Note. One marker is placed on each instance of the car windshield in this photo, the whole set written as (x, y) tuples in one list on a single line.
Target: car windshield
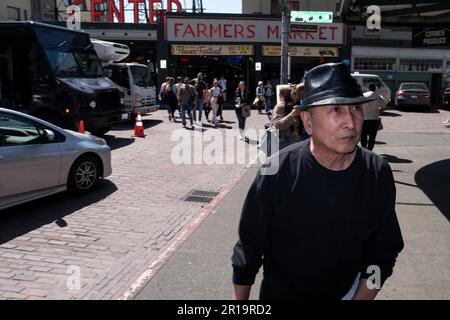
[(70, 54), (414, 86), (142, 76)]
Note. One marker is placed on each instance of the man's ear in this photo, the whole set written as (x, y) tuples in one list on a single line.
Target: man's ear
[(307, 121)]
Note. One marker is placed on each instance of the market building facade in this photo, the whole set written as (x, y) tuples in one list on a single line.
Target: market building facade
[(242, 47)]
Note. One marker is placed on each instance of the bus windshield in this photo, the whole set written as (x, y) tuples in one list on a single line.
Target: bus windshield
[(70, 54)]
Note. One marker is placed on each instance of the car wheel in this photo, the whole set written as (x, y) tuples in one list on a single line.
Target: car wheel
[(100, 132), (83, 175)]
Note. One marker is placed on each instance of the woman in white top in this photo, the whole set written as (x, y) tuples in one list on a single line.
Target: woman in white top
[(215, 93)]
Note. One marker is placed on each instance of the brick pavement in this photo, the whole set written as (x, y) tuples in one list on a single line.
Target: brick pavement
[(110, 236)]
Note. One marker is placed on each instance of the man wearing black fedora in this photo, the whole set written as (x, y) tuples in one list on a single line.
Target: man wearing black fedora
[(324, 226)]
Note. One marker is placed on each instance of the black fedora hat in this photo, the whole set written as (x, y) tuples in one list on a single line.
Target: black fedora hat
[(331, 84)]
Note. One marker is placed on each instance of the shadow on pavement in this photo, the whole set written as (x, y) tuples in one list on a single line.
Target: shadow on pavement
[(434, 181), (394, 159), (417, 109), (147, 123), (380, 142), (116, 142), (390, 114), (19, 220)]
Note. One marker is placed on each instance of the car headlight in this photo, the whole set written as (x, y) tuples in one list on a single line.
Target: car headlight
[(92, 104)]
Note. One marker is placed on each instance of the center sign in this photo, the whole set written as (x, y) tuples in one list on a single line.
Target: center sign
[(249, 31)]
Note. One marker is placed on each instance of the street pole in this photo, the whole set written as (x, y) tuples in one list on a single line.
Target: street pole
[(284, 41)]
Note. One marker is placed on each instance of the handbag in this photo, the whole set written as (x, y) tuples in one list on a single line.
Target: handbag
[(255, 102), (380, 125), (245, 110)]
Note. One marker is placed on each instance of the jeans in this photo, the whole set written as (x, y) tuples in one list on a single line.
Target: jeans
[(241, 121), (268, 103), (198, 107), (186, 108)]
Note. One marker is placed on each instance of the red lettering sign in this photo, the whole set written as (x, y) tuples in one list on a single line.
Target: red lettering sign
[(177, 28), (94, 12), (273, 32), (215, 29), (201, 30), (333, 30), (239, 31), (114, 11), (226, 31), (321, 35), (118, 12), (153, 4), (136, 9), (251, 31)]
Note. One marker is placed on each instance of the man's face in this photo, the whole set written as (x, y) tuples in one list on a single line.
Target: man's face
[(337, 129)]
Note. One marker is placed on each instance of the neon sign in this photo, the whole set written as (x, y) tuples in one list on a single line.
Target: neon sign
[(116, 9)]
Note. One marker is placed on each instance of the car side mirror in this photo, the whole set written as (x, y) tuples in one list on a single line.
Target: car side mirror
[(49, 135)]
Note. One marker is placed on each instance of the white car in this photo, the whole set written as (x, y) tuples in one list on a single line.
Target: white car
[(382, 89), (38, 159)]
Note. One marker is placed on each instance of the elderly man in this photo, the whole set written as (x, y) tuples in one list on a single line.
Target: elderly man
[(324, 226)]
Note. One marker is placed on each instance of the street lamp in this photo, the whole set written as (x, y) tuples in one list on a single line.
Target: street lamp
[(284, 40)]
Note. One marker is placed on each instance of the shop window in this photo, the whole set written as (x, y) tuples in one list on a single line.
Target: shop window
[(448, 66), (419, 65), (374, 64)]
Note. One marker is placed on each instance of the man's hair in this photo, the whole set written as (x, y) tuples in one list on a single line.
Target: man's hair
[(167, 79), (179, 79), (372, 86)]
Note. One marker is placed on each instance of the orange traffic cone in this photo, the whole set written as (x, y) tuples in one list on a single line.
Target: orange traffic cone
[(81, 127), (139, 127)]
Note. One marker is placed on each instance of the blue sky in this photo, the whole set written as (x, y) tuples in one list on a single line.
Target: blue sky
[(220, 6)]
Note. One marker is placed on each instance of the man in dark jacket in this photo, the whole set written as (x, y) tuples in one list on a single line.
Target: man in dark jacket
[(324, 226)]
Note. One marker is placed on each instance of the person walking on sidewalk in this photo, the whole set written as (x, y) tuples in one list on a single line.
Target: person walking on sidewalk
[(324, 225), (223, 85), (186, 94), (215, 94), (371, 118), (260, 96), (242, 97), (200, 87), (286, 118), (268, 93), (164, 97)]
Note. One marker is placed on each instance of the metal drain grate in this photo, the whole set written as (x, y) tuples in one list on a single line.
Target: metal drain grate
[(200, 196)]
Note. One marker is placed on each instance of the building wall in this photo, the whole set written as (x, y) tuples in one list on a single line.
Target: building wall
[(24, 7), (264, 6)]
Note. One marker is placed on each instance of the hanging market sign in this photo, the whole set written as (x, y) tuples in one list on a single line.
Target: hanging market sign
[(275, 51), (431, 37), (245, 30), (212, 50)]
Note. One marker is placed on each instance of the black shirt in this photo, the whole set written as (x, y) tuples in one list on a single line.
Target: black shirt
[(314, 229)]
